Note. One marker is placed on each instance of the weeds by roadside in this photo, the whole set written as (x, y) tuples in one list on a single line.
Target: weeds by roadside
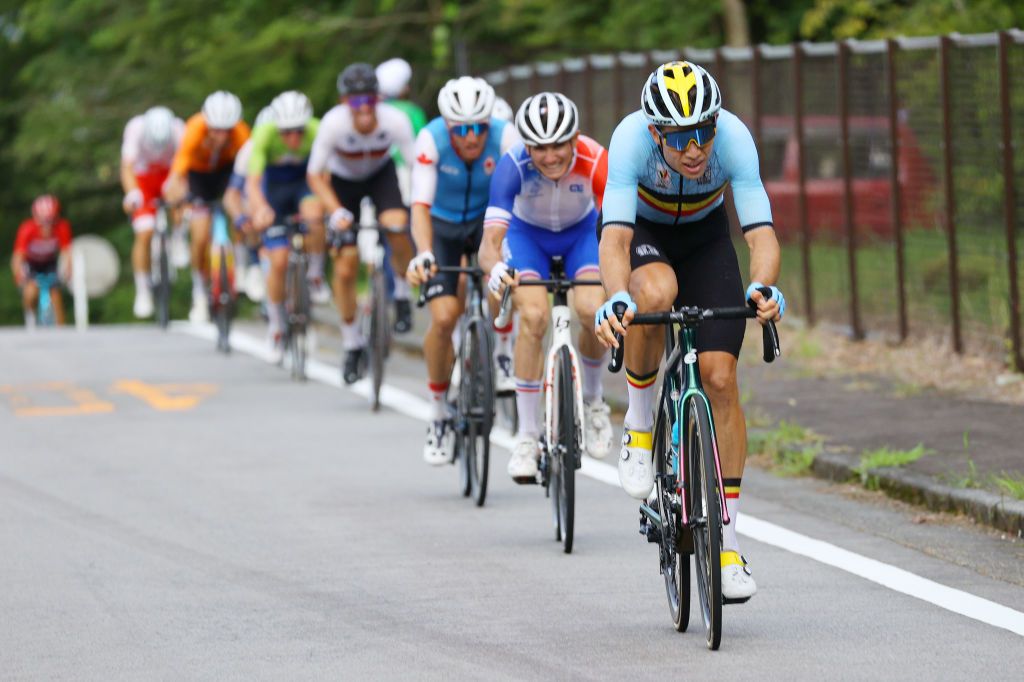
[(886, 457), (789, 449)]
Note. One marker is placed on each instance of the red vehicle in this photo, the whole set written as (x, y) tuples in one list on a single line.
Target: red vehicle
[(871, 162)]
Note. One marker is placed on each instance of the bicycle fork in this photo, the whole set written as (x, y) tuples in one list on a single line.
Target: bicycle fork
[(561, 335)]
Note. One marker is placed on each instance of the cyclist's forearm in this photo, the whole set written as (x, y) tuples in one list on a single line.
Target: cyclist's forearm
[(422, 228), (614, 258), (321, 187), (254, 189), (128, 182), (490, 247), (233, 203), (765, 255)]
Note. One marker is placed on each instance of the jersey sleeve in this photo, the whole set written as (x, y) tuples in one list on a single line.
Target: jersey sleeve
[(619, 199), (323, 142), (405, 139), (258, 145), (599, 179), (744, 171), (424, 170), (130, 141), (509, 137), (239, 136), (63, 234), (23, 237), (505, 186), (195, 129)]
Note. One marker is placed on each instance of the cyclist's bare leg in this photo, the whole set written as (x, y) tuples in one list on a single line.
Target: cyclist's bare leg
[(312, 212), (346, 269), (534, 310), (437, 342), (278, 259), (141, 258), (718, 374), (30, 296), (653, 287), (199, 229), (58, 306), (586, 301), (395, 221)]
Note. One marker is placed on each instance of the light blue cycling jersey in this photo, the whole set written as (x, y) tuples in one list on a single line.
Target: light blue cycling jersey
[(456, 191), (640, 183)]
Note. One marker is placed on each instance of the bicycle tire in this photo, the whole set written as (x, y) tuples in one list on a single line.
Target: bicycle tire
[(163, 286), (674, 563), (378, 335), (479, 392), (465, 440), (297, 310), (706, 516), (224, 304), (567, 448)]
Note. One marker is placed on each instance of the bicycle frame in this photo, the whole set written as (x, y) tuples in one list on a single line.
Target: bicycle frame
[(561, 336), (45, 314)]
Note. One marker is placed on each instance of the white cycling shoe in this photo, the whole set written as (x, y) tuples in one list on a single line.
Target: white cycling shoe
[(737, 583), (200, 312), (275, 346), (143, 306), (440, 446), (504, 381), (598, 428), (319, 292), (253, 285), (636, 464), (522, 466)]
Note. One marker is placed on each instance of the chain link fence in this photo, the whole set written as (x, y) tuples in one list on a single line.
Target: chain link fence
[(895, 171)]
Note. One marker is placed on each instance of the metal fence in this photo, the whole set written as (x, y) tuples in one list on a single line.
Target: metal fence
[(893, 168)]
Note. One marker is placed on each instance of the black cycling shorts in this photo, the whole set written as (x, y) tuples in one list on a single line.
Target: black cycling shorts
[(208, 187), (451, 242), (707, 271), (381, 187)]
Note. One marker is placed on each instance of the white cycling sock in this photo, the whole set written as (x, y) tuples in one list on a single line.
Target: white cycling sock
[(438, 392), (141, 281), (730, 543), (503, 338), (593, 370), (351, 336), (198, 286), (316, 266), (402, 289), (528, 404), (640, 388), (275, 317)]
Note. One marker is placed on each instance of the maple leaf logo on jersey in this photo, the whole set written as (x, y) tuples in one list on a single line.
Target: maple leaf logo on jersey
[(489, 165), (424, 159)]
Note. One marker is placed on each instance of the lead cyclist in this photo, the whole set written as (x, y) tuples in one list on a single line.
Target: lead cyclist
[(665, 241)]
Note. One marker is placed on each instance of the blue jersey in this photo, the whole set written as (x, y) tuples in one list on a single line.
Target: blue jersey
[(640, 183), (456, 191)]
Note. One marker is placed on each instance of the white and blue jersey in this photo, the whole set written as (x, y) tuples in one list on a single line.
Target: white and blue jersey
[(547, 218), (456, 191), (641, 184)]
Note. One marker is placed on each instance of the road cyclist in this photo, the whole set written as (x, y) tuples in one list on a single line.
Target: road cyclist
[(665, 242), (41, 260), (544, 202), (456, 156)]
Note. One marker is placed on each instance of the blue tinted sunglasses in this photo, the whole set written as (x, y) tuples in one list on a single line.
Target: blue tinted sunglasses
[(680, 140), (463, 129)]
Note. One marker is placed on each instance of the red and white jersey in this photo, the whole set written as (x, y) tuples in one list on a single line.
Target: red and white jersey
[(349, 154), (143, 159), (38, 248)]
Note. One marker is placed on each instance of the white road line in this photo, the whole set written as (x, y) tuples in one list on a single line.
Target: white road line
[(887, 575)]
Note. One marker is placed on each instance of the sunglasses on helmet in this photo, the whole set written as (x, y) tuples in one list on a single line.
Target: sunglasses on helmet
[(680, 139), (357, 101), (462, 129)]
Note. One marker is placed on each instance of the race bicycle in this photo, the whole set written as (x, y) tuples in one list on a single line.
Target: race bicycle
[(689, 510), (298, 312), (222, 276), (562, 443), (474, 401), (45, 312), (162, 274)]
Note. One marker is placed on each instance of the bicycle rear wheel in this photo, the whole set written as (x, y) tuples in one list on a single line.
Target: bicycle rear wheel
[(297, 298), (379, 334), (163, 285), (705, 517), (674, 562), (566, 451), (477, 409)]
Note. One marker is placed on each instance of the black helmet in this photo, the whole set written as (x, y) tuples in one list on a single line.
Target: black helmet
[(357, 79)]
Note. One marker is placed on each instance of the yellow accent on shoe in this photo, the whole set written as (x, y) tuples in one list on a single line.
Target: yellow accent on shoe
[(638, 439), (730, 558)]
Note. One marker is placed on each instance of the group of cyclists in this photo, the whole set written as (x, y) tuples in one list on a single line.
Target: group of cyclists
[(646, 217)]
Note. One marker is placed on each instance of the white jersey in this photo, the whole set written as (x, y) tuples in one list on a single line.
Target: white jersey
[(350, 155), (241, 167), (143, 159)]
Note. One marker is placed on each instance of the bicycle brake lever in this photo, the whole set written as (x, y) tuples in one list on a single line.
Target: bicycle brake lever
[(617, 353), (769, 333)]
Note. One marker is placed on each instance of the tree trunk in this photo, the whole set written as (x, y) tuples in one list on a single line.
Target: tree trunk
[(737, 27)]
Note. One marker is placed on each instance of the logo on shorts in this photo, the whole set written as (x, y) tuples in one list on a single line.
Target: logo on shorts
[(647, 250), (435, 290), (576, 187), (489, 165)]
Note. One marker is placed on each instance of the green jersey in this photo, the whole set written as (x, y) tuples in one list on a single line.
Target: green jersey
[(270, 152)]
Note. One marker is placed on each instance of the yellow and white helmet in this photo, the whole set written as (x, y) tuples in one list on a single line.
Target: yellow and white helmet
[(680, 93)]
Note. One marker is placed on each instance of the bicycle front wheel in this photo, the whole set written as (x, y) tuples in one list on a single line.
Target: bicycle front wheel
[(567, 450), (705, 517), (223, 302), (379, 330), (477, 408), (163, 285), (675, 563), (297, 298)]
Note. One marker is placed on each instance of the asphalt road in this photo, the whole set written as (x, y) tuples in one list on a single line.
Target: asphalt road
[(169, 513)]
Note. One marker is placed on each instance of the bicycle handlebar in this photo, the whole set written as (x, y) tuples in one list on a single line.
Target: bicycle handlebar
[(691, 316), (473, 271)]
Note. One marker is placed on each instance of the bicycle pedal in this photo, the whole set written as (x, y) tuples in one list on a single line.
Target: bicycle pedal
[(649, 530)]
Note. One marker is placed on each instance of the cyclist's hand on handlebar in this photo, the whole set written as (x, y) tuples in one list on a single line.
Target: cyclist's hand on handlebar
[(132, 201), (340, 219), (607, 323), (263, 217), (772, 307), (501, 277), (422, 267)]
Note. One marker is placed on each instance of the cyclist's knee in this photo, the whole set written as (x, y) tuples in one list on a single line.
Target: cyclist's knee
[(653, 293), (533, 320), (719, 381), (346, 266)]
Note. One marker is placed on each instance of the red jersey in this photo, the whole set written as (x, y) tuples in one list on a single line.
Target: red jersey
[(40, 250)]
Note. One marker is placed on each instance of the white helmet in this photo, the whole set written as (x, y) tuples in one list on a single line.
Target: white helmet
[(266, 115), (680, 93), (393, 77), (547, 118), (466, 100), (502, 110), (157, 128), (291, 109), (222, 110)]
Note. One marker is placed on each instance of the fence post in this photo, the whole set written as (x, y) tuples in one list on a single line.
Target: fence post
[(617, 95), (851, 236), (1009, 197), (560, 80), (755, 87), (588, 96), (945, 42), (897, 197), (801, 170)]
